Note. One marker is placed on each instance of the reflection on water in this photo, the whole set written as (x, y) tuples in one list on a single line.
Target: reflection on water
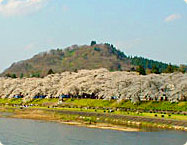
[(30, 132)]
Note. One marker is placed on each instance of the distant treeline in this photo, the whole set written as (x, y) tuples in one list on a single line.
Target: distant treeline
[(146, 66)]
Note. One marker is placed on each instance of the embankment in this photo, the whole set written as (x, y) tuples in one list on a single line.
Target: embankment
[(94, 119)]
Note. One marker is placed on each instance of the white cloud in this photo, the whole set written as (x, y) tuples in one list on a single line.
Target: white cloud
[(185, 1), (172, 17), (20, 7)]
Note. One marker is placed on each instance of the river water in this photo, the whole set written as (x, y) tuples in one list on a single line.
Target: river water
[(31, 132)]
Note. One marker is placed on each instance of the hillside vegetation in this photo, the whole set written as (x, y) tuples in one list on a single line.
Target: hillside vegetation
[(76, 57)]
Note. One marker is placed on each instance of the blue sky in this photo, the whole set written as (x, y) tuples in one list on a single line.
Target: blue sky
[(156, 29)]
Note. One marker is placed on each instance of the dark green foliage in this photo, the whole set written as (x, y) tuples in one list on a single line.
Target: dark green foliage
[(141, 70), (155, 69), (21, 75), (113, 50), (93, 43), (13, 76), (76, 71), (147, 63), (97, 49), (119, 67), (169, 69), (50, 72), (35, 75)]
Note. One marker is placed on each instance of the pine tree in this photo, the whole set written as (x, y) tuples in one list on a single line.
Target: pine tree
[(50, 72), (21, 75)]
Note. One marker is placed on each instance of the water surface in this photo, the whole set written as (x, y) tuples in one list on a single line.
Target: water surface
[(31, 132)]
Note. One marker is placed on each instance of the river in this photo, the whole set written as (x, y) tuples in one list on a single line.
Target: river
[(32, 132)]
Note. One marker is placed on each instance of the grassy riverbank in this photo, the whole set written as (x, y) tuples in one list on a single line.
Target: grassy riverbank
[(104, 104), (92, 112), (95, 119), (70, 119)]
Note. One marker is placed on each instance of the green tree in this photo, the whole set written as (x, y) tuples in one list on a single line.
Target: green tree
[(21, 75), (141, 70), (93, 43), (169, 69), (155, 69), (50, 72), (182, 68), (35, 75), (76, 70), (13, 76)]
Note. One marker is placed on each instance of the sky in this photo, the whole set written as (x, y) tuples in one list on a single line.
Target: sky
[(155, 29)]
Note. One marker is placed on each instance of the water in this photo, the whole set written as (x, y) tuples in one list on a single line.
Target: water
[(30, 132)]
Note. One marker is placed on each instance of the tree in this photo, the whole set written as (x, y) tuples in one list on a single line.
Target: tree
[(119, 67), (13, 76), (93, 43), (155, 69), (8, 75), (21, 75), (76, 70), (50, 72), (169, 69), (35, 75), (182, 68), (141, 70)]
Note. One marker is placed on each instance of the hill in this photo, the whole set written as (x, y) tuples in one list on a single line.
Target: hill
[(76, 57)]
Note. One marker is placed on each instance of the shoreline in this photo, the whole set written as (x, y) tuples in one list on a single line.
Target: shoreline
[(83, 121), (75, 123)]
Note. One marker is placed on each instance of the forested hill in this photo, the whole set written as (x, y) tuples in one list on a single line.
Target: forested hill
[(76, 57), (148, 63)]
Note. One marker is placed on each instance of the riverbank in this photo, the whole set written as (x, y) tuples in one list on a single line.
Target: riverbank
[(65, 119), (96, 120)]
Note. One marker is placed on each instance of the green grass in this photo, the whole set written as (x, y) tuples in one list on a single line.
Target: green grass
[(11, 101), (151, 105), (90, 103), (42, 102)]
